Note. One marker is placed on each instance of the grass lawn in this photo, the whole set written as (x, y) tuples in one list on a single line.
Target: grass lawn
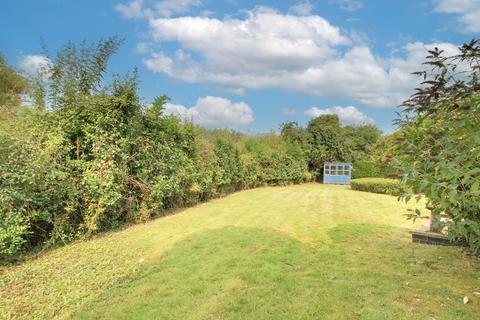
[(299, 252)]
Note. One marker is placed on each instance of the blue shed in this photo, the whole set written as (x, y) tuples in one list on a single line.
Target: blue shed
[(337, 173)]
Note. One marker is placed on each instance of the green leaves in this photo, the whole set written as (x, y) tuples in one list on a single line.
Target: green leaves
[(78, 71), (379, 185), (474, 189), (12, 87), (442, 141), (32, 189), (452, 195), (325, 139)]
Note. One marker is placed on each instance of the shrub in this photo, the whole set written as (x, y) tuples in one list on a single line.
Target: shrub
[(229, 176), (373, 169), (33, 189), (367, 169), (378, 185), (441, 139)]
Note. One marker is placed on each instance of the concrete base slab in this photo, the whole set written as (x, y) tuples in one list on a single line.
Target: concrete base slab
[(432, 238)]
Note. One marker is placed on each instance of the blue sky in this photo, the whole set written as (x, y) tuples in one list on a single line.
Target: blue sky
[(252, 65)]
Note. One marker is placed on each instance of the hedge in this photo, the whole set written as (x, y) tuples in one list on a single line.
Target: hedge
[(373, 169), (367, 169), (378, 185)]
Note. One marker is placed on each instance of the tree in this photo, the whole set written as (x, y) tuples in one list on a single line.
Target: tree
[(361, 139), (292, 132), (12, 87), (78, 71), (326, 142), (441, 140)]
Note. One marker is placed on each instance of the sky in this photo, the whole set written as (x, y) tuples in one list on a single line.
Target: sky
[(252, 65)]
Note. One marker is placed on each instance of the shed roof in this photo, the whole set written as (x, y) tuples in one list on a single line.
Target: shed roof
[(337, 163)]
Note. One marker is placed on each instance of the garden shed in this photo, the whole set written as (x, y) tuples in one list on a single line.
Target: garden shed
[(337, 173)]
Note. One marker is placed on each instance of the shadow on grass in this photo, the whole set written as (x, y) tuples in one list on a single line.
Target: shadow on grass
[(368, 272)]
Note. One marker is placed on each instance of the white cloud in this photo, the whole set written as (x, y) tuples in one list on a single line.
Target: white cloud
[(180, 66), (34, 65), (349, 5), (288, 112), (142, 48), (133, 10), (267, 49), (163, 8), (303, 8), (347, 115), (468, 12), (166, 8), (214, 112)]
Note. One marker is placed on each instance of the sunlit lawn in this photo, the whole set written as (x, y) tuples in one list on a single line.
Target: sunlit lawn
[(299, 252)]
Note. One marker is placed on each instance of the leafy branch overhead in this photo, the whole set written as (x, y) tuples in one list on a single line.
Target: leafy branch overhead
[(448, 78)]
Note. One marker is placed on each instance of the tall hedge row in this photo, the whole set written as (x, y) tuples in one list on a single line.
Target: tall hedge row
[(118, 164), (88, 156)]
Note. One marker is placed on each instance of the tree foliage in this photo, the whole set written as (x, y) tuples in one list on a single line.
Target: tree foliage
[(325, 140), (441, 140), (12, 87)]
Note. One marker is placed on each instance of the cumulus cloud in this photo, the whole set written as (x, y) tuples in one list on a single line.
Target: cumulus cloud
[(267, 49), (347, 115), (33, 65), (165, 8), (467, 11), (303, 8), (214, 112), (349, 5)]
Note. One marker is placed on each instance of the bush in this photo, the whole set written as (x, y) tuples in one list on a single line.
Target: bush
[(373, 169), (32, 193), (441, 141), (378, 185), (367, 169)]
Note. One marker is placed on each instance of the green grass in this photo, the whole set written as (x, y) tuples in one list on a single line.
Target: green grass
[(299, 252)]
